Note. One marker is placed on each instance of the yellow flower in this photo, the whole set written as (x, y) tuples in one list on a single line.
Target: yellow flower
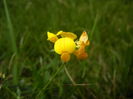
[(65, 45)]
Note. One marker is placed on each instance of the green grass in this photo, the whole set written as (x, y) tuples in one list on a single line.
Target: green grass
[(28, 63)]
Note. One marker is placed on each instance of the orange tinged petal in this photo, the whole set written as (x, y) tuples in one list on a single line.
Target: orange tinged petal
[(65, 57), (80, 53), (84, 38), (81, 44)]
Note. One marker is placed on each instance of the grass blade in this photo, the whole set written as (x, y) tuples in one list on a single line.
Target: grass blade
[(10, 27), (12, 40)]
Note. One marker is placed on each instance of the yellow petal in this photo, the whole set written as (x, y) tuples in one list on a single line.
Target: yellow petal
[(52, 37), (65, 56), (67, 34), (60, 32), (64, 45)]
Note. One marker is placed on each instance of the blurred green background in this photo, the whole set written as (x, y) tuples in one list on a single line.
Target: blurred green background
[(28, 63)]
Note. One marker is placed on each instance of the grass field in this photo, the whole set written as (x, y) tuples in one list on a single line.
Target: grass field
[(28, 64)]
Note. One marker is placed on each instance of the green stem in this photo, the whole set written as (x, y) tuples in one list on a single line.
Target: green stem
[(51, 79), (69, 76)]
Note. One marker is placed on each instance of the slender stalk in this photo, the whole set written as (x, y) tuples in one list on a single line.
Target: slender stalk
[(68, 74), (50, 80), (72, 80)]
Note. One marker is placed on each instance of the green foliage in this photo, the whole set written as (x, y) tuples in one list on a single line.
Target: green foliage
[(28, 63)]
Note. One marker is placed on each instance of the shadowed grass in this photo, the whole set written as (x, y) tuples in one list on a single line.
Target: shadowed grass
[(50, 80)]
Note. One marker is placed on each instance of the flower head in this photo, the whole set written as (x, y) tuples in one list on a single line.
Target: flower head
[(65, 45)]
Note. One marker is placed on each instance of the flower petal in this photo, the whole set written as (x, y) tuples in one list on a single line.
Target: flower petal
[(52, 37), (65, 57), (84, 38), (67, 34), (81, 53), (58, 33), (64, 45)]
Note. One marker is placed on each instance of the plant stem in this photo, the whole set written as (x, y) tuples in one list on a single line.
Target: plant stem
[(72, 80), (68, 74)]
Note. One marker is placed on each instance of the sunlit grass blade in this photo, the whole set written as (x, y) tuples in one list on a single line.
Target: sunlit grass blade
[(94, 25), (10, 27), (12, 40)]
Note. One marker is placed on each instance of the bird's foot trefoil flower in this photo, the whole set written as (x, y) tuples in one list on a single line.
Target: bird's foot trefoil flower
[(65, 45)]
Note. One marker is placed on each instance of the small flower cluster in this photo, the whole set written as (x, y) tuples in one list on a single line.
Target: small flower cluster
[(65, 44)]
